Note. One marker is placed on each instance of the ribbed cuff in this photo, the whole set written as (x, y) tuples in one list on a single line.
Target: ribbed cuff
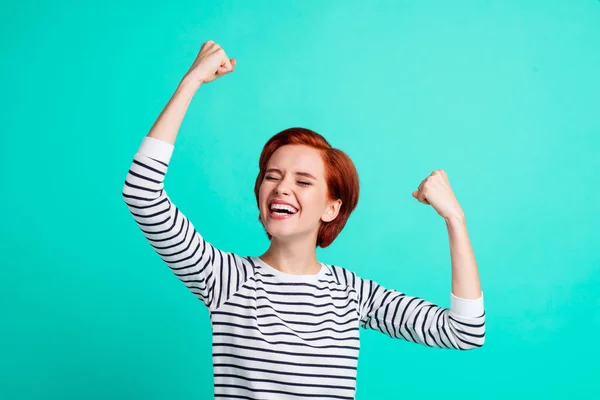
[(157, 149), (466, 307)]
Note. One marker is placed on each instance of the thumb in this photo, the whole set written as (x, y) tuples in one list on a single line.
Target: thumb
[(227, 67), (415, 194)]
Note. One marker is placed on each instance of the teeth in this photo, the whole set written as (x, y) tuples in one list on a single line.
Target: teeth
[(283, 207)]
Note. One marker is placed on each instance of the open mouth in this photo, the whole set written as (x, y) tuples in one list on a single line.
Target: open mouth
[(282, 210)]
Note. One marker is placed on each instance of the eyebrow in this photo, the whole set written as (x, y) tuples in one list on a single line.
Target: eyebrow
[(306, 174)]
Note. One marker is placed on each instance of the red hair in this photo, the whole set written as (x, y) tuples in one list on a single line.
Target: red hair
[(340, 175)]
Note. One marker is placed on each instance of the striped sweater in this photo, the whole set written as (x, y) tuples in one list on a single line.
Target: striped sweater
[(277, 335)]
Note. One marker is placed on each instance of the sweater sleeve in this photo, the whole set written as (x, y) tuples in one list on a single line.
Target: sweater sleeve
[(210, 274), (460, 327)]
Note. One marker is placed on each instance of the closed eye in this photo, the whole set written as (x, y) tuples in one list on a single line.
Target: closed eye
[(303, 183)]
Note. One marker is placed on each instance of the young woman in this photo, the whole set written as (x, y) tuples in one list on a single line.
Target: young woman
[(284, 324)]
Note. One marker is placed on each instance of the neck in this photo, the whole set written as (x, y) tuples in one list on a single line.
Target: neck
[(298, 257)]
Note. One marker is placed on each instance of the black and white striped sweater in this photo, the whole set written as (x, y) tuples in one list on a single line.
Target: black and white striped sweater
[(277, 335)]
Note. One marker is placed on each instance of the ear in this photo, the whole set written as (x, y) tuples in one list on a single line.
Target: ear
[(332, 211)]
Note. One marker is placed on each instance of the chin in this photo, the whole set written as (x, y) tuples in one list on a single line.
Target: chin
[(281, 233)]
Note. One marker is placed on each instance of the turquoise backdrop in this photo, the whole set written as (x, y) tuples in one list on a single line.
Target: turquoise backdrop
[(503, 95)]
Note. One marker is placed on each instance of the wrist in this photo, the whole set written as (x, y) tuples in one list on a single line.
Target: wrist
[(456, 218), (191, 81)]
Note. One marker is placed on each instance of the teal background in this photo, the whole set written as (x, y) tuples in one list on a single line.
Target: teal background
[(503, 95)]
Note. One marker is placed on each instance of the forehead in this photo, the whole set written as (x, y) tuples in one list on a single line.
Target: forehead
[(297, 157)]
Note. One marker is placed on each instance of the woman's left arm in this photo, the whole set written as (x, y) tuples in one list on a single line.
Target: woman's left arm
[(465, 275), (435, 190), (462, 326)]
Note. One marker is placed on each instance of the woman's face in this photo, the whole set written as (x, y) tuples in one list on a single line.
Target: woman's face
[(295, 175)]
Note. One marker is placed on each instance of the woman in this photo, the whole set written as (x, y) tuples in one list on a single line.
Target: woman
[(284, 324)]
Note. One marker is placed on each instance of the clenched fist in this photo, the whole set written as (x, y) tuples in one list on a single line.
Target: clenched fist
[(435, 190), (210, 64)]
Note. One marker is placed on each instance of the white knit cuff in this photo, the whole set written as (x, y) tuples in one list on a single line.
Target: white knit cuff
[(466, 307), (157, 149)]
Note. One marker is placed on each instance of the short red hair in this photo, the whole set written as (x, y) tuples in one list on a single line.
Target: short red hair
[(340, 174)]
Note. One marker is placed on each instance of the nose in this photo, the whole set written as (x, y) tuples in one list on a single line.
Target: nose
[(282, 190), (282, 187)]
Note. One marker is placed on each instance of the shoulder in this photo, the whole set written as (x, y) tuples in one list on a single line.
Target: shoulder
[(247, 263), (365, 288), (343, 276), (224, 262)]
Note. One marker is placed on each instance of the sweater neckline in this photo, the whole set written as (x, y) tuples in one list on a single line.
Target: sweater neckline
[(290, 277)]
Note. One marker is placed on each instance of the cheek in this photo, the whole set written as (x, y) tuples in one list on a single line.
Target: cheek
[(263, 194), (311, 203)]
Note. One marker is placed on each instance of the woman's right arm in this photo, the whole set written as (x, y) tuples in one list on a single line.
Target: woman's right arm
[(210, 64), (167, 124), (209, 273)]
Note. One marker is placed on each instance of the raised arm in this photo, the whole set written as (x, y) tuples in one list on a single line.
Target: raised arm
[(210, 64), (462, 326), (209, 273)]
